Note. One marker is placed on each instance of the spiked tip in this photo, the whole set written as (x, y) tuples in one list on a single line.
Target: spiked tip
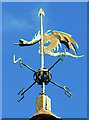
[(41, 12)]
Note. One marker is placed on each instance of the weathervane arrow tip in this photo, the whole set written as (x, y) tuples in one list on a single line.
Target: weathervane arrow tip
[(41, 12)]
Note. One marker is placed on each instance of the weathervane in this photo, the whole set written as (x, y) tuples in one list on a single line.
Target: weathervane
[(43, 76)]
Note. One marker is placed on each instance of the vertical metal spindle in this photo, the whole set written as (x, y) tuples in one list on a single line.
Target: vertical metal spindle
[(42, 53), (41, 14)]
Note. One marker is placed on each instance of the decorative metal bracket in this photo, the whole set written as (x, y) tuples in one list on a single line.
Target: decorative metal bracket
[(40, 76)]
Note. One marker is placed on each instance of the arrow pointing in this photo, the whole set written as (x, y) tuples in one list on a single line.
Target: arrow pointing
[(41, 12)]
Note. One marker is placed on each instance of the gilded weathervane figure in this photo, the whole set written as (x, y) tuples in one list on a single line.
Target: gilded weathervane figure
[(56, 38)]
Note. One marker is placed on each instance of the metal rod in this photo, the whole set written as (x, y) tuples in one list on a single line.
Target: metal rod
[(28, 67), (28, 88), (67, 90), (43, 88), (41, 12), (42, 54), (20, 99), (54, 64), (56, 84)]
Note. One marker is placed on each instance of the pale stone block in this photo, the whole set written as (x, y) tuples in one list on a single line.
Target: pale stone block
[(43, 102)]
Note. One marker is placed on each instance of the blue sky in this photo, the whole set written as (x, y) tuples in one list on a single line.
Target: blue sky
[(20, 20)]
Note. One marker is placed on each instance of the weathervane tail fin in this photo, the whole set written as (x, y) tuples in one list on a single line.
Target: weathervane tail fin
[(64, 54), (66, 39), (56, 39)]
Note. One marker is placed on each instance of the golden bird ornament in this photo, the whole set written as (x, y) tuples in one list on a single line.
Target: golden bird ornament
[(56, 38)]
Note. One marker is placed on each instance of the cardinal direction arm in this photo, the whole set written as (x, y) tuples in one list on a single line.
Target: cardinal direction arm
[(21, 94), (28, 88), (58, 60), (28, 67), (35, 40), (54, 64), (24, 91), (56, 84), (15, 61), (67, 90)]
